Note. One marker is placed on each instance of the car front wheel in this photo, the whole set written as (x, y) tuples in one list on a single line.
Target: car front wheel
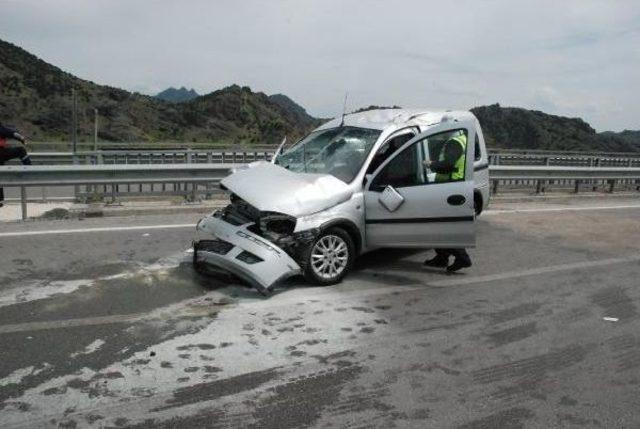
[(330, 257)]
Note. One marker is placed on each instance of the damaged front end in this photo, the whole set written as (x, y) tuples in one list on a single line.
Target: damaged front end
[(258, 246)]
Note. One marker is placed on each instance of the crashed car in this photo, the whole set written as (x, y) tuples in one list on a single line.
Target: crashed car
[(354, 184)]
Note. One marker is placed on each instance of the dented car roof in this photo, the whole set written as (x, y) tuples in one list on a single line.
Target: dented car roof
[(381, 119)]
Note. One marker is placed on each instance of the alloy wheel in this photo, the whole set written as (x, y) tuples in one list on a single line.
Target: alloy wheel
[(329, 257)]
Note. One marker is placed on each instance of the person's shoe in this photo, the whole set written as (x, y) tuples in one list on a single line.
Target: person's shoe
[(458, 264), (438, 261)]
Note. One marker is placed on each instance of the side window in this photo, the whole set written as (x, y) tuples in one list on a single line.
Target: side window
[(388, 149), (478, 153), (435, 159)]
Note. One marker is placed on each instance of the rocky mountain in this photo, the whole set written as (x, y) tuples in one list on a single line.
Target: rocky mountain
[(175, 95), (512, 127), (291, 106), (36, 98)]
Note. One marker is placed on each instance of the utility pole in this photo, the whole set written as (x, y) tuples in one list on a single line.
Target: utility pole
[(74, 130), (95, 130)]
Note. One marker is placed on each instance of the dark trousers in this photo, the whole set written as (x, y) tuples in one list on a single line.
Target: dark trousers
[(457, 253), (8, 153)]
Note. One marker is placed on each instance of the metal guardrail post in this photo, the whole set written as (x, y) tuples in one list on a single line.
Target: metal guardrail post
[(494, 187), (194, 192), (23, 202), (114, 191), (76, 188)]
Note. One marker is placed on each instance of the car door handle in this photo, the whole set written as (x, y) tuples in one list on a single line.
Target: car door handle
[(456, 200)]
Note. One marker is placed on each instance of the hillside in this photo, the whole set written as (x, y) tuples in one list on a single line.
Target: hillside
[(517, 128), (36, 98), (175, 95)]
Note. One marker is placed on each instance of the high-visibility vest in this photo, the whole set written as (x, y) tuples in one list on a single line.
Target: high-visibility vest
[(458, 170)]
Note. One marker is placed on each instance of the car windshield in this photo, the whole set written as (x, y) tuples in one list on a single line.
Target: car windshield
[(336, 151)]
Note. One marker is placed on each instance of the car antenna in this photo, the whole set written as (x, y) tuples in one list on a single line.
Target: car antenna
[(344, 108)]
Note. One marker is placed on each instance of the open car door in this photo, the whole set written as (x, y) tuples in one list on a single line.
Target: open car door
[(406, 206)]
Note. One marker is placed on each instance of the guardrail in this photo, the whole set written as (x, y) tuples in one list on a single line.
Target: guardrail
[(212, 156), (544, 152), (563, 160), (101, 180), (543, 177), (191, 180), (148, 157)]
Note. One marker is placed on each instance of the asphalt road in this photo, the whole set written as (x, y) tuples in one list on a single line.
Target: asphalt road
[(112, 328)]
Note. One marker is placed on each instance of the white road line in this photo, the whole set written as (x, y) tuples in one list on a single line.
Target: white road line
[(101, 229), (316, 294), (533, 271), (193, 225), (560, 209)]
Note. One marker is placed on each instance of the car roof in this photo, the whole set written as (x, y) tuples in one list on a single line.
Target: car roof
[(381, 119)]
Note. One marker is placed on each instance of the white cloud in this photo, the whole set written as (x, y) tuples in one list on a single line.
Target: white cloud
[(574, 57)]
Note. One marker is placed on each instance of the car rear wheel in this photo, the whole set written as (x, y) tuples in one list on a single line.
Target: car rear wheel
[(330, 257)]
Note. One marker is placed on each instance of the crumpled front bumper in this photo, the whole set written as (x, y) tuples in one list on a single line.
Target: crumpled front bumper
[(274, 265)]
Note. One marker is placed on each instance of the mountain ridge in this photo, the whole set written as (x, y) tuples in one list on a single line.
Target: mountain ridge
[(177, 95), (35, 97)]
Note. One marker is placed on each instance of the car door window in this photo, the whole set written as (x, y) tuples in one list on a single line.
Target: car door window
[(410, 167), (388, 149)]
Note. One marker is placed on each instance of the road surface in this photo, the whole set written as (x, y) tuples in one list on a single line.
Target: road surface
[(103, 323)]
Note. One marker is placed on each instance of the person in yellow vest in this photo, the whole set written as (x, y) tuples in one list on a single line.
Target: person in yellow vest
[(449, 168)]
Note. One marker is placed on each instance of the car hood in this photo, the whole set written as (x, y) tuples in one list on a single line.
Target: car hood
[(269, 187)]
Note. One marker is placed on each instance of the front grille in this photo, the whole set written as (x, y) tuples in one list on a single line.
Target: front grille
[(220, 247), (249, 258)]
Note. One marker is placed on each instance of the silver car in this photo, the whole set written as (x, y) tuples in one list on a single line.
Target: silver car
[(354, 184)]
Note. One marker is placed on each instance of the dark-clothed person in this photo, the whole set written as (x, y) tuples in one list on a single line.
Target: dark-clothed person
[(450, 167), (11, 152)]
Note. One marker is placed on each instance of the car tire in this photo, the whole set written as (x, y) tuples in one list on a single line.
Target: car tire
[(330, 257)]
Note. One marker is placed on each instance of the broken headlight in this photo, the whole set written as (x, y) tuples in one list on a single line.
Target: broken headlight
[(277, 224)]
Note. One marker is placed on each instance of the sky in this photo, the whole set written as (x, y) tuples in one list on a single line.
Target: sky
[(578, 58)]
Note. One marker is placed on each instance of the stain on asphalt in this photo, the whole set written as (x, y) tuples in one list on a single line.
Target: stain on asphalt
[(513, 313), (567, 401), (565, 419), (300, 403), (363, 309), (536, 366), (219, 388), (626, 349), (511, 335), (513, 418), (615, 302)]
